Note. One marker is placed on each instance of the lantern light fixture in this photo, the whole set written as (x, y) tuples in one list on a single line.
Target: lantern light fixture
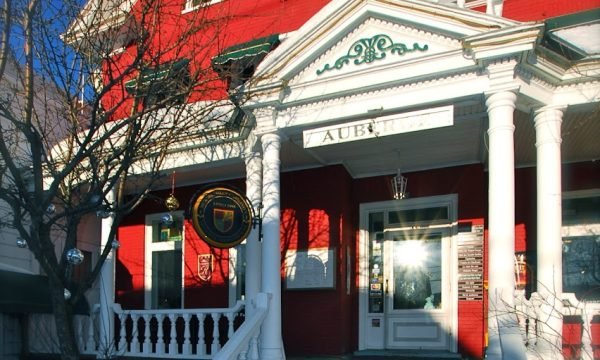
[(399, 183)]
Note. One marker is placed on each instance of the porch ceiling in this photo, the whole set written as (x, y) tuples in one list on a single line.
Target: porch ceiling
[(465, 142)]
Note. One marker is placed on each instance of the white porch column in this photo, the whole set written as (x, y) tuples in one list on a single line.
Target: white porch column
[(253, 245), (271, 345), (549, 223), (107, 289), (505, 340)]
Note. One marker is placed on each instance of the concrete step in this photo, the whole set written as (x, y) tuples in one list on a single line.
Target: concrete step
[(405, 355), (386, 355)]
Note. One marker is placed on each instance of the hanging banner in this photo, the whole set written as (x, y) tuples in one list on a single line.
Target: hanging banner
[(221, 216)]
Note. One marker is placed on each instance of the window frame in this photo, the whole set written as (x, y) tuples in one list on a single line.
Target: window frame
[(189, 5), (573, 230), (150, 247)]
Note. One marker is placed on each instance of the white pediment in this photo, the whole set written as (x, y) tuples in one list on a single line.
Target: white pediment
[(348, 38), (377, 43)]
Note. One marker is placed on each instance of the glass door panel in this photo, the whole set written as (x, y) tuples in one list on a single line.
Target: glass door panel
[(417, 272)]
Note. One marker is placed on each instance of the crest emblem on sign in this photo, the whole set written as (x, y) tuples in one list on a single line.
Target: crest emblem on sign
[(221, 216), (205, 267), (223, 219)]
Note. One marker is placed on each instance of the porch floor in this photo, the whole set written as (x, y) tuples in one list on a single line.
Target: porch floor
[(386, 355)]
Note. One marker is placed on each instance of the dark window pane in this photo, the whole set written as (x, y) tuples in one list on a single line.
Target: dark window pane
[(581, 266), (418, 215), (166, 279)]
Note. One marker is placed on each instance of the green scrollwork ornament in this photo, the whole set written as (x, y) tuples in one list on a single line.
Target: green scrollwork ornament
[(366, 51)]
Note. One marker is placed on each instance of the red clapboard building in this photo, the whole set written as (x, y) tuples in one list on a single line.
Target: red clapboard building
[(424, 173)]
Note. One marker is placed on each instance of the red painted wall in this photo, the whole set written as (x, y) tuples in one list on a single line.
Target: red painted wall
[(316, 213), (129, 275), (214, 29), (542, 9)]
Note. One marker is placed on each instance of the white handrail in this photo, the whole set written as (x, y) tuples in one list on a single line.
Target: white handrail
[(176, 333), (245, 340)]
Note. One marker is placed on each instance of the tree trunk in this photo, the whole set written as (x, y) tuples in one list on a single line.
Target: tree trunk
[(63, 319)]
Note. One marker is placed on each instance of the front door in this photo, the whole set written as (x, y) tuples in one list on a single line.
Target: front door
[(417, 288), (407, 273)]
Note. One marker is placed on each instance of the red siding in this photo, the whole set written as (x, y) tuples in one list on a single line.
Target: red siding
[(129, 267), (129, 281), (542, 9), (315, 214)]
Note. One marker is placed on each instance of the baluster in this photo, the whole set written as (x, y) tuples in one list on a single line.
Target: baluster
[(521, 314), (215, 344), (135, 340), (79, 333), (160, 337), (587, 351), (147, 347), (172, 333), (230, 318), (201, 343), (187, 341), (90, 342), (253, 347), (122, 333)]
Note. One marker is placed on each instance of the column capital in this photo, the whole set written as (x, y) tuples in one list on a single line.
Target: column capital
[(549, 109), (501, 98), (548, 122)]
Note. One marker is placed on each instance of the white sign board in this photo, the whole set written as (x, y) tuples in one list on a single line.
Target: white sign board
[(310, 269), (380, 126)]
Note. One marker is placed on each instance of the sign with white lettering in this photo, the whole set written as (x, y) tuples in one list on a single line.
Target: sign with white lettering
[(380, 126)]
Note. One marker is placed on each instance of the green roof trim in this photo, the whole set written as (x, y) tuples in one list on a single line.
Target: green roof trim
[(27, 293), (554, 26), (580, 18), (248, 49), (159, 73)]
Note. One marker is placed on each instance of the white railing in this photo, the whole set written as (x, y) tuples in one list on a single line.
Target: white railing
[(43, 339), (528, 313), (176, 333), (244, 343)]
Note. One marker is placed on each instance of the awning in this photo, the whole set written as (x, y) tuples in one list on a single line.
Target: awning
[(248, 49), (26, 293), (157, 74)]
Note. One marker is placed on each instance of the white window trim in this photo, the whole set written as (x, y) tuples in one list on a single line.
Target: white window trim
[(150, 247), (190, 8)]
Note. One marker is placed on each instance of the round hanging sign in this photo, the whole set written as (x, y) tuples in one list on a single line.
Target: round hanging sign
[(222, 217)]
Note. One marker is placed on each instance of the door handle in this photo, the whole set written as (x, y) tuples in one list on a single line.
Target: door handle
[(386, 286)]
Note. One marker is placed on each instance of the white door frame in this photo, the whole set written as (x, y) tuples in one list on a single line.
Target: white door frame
[(371, 337)]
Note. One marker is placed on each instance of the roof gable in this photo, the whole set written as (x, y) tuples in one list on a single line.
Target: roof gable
[(346, 36)]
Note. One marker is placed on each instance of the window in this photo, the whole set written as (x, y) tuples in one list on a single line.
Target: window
[(236, 64), (164, 261), (581, 244), (163, 85)]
